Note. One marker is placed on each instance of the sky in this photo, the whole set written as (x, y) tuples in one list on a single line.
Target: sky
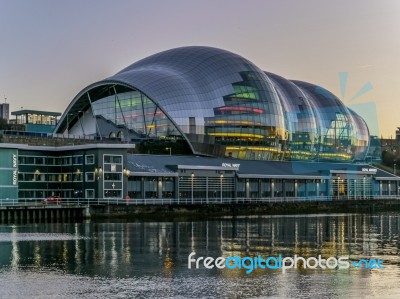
[(52, 49)]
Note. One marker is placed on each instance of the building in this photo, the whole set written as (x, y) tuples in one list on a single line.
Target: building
[(108, 172), (5, 111), (251, 134), (222, 105), (81, 171), (36, 121)]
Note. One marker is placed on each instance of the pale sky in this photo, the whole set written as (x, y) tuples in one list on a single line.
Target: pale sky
[(50, 50)]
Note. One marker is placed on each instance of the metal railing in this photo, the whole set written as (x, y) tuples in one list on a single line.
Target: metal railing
[(68, 202)]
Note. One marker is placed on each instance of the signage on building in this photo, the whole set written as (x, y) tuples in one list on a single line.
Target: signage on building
[(373, 170), (15, 172), (231, 165)]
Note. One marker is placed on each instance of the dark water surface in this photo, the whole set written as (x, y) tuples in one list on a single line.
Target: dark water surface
[(150, 259)]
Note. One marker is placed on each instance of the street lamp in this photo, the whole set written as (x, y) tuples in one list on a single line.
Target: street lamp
[(192, 175), (98, 172), (37, 174), (364, 186), (68, 114), (221, 177), (80, 121), (127, 172), (355, 189), (170, 150), (338, 186)]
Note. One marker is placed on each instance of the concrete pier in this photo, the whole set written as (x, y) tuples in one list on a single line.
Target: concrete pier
[(35, 214)]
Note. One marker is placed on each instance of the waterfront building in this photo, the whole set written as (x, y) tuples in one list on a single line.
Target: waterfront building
[(196, 124), (36, 121), (220, 104), (5, 111)]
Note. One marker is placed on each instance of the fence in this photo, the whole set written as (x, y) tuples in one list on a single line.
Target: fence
[(185, 201)]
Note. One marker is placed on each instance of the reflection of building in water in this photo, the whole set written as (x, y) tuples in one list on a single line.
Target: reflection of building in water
[(121, 249)]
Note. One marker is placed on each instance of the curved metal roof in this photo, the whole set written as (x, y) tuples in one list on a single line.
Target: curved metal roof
[(224, 94)]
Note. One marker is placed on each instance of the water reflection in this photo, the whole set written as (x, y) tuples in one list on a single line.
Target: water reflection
[(128, 258)]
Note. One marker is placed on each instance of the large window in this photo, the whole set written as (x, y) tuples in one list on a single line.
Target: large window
[(137, 112), (89, 159)]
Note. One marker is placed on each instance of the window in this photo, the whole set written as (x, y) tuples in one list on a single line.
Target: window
[(112, 193), (89, 176), (29, 160), (66, 160), (89, 159), (112, 159), (89, 193), (112, 176), (39, 161), (77, 160)]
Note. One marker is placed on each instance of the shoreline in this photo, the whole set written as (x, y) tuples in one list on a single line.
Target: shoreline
[(198, 212)]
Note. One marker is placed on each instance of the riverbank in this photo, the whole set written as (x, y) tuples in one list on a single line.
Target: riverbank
[(161, 212)]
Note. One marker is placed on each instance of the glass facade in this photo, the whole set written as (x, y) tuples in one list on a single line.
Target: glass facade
[(222, 105), (136, 112)]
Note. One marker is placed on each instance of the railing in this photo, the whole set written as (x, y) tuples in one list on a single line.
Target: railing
[(67, 202)]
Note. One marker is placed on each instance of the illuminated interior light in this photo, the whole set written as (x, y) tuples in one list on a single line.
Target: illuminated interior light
[(236, 122), (237, 135), (237, 108)]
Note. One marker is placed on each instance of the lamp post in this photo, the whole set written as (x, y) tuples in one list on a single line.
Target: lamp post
[(80, 179), (37, 173), (338, 186), (355, 189), (127, 172), (364, 187), (68, 114), (221, 178), (98, 172), (192, 175), (170, 150), (80, 121)]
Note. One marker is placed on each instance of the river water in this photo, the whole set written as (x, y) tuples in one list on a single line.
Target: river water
[(150, 259)]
